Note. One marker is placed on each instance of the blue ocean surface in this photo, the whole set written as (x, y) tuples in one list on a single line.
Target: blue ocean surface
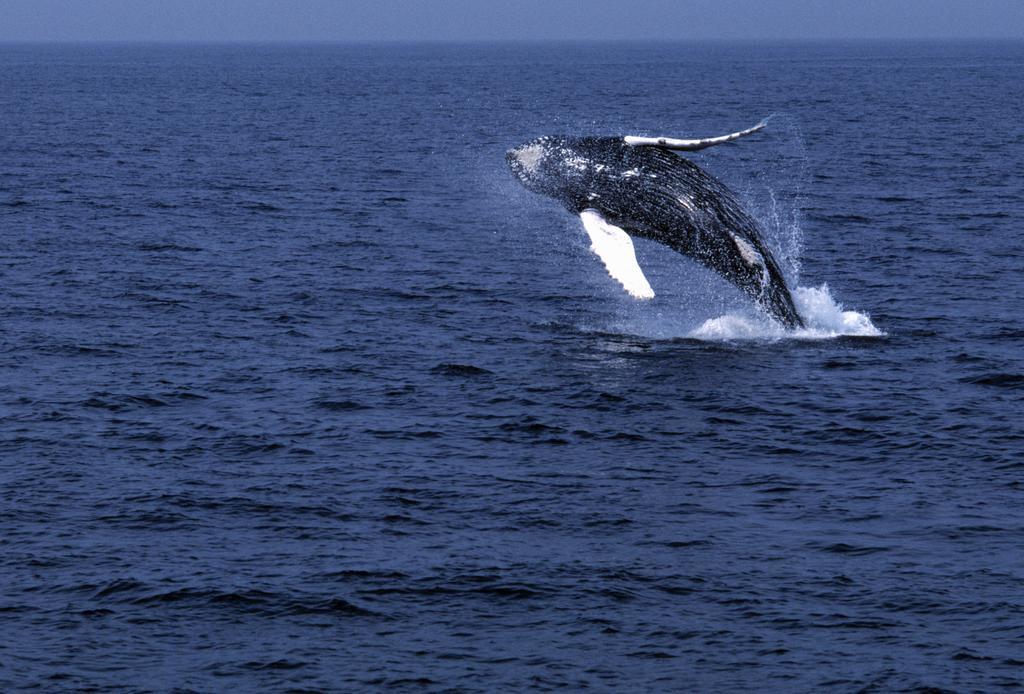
[(300, 390)]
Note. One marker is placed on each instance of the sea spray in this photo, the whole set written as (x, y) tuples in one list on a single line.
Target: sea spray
[(824, 317)]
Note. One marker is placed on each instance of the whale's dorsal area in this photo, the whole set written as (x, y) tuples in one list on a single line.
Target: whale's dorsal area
[(615, 249)]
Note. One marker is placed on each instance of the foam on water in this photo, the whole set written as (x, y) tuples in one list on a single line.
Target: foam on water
[(824, 316)]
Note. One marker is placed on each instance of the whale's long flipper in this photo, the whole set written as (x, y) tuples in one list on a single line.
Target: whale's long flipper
[(689, 145), (615, 249)]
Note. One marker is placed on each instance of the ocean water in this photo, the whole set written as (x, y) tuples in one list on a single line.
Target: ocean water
[(299, 390)]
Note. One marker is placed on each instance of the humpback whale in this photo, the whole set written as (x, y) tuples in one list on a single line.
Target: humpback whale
[(636, 186)]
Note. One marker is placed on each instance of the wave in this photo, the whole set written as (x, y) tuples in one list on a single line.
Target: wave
[(825, 318)]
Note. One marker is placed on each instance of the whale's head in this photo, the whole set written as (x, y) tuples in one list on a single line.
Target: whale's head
[(560, 167), (535, 164)]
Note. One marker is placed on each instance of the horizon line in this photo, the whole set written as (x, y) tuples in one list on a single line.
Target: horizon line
[(618, 40)]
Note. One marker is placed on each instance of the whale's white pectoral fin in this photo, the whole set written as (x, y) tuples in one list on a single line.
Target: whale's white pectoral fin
[(689, 145), (615, 249)]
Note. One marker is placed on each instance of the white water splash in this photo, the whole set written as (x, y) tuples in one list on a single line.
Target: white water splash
[(823, 315)]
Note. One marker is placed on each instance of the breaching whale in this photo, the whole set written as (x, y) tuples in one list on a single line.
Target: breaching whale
[(622, 186)]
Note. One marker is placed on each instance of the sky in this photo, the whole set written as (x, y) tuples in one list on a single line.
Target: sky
[(497, 20)]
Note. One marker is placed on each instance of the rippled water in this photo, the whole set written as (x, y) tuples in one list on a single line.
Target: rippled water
[(299, 389)]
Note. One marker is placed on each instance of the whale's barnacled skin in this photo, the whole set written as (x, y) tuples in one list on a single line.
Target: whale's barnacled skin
[(656, 194)]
